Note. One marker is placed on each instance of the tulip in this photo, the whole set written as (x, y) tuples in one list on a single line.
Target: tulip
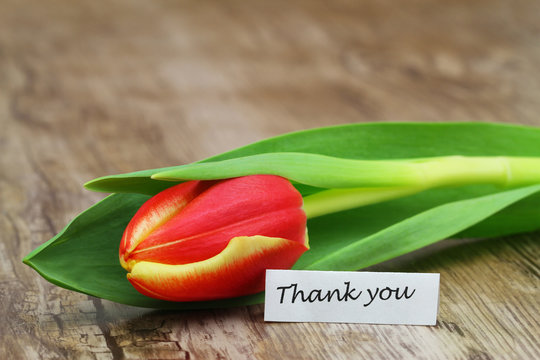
[(205, 240)]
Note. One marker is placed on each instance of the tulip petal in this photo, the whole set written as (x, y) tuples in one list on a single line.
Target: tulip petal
[(238, 270), (157, 211)]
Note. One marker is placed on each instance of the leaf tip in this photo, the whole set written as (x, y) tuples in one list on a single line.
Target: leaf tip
[(27, 260), (164, 175), (92, 185)]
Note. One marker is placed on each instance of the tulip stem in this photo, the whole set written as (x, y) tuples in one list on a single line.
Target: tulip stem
[(429, 173), (335, 200)]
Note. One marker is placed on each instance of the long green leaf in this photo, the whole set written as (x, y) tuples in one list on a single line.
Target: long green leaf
[(310, 169), (84, 257), (420, 230), (333, 232), (370, 141)]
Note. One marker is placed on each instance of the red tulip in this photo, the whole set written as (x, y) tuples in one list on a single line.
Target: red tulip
[(203, 240)]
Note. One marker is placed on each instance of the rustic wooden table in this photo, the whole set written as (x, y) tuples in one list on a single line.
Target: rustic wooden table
[(91, 88)]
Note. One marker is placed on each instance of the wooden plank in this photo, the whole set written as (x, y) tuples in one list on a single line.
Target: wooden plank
[(88, 89)]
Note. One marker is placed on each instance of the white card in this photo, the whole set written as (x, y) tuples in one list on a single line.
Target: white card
[(351, 297)]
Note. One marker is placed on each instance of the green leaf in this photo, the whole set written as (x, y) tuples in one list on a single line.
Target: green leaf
[(369, 141), (310, 169), (84, 257), (417, 231), (333, 232)]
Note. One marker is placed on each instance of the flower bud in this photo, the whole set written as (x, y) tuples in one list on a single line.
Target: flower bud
[(204, 240)]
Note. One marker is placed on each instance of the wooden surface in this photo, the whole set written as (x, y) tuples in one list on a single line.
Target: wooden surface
[(90, 88)]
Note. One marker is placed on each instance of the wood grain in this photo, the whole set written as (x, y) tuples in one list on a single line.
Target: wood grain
[(93, 88)]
